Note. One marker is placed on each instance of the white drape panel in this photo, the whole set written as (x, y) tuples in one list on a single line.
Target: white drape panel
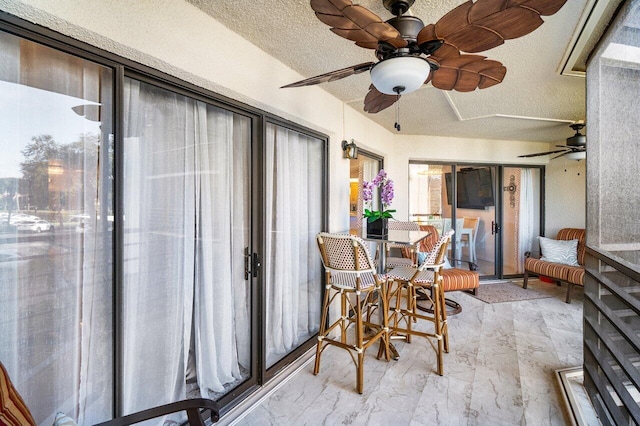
[(526, 218), (222, 236), (293, 189), (186, 225), (159, 223)]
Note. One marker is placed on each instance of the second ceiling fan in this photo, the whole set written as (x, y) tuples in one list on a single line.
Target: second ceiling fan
[(411, 54), (575, 149)]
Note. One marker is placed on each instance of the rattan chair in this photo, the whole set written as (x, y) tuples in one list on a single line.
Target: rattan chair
[(352, 278), (408, 253), (403, 298)]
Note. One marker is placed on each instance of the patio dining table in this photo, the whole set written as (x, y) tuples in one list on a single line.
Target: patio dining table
[(396, 237)]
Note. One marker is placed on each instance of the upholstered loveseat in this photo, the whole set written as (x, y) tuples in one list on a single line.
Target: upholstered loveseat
[(560, 272)]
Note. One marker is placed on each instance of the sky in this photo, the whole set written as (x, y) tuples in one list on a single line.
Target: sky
[(26, 112)]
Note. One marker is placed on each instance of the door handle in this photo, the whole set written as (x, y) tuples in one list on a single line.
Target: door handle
[(252, 264), (495, 228)]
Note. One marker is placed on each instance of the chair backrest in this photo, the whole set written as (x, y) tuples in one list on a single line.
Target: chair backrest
[(574, 234), (472, 223), (427, 244), (447, 226), (347, 260), (403, 226), (13, 410), (437, 253)]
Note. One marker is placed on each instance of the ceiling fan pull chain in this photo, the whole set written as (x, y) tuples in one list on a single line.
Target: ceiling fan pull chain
[(398, 90)]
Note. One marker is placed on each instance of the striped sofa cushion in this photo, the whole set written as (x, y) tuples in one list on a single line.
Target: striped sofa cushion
[(548, 269), (575, 274), (459, 279), (13, 410)]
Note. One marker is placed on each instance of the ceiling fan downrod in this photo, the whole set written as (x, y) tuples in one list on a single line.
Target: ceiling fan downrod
[(397, 7)]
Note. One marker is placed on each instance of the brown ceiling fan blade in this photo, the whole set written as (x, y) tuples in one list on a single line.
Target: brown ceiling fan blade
[(428, 33), (543, 7), (356, 23), (375, 101), (467, 73), (485, 24), (543, 153), (332, 76)]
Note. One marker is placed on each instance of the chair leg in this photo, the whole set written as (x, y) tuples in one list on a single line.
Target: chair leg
[(525, 281), (444, 328), (359, 345), (384, 302), (411, 304), (569, 288), (437, 315), (323, 327)]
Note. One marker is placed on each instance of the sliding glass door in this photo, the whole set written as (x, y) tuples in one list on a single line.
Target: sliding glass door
[(520, 216), (495, 210), (292, 266), (56, 230), (186, 304), (173, 258)]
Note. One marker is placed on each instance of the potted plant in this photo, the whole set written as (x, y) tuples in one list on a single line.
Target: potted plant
[(377, 219)]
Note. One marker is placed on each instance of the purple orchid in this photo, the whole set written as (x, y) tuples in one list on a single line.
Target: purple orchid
[(386, 196)]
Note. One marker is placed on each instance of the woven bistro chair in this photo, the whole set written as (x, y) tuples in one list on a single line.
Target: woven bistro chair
[(408, 253), (351, 277), (403, 296)]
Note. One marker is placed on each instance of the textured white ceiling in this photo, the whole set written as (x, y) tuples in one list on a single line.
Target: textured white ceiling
[(533, 103)]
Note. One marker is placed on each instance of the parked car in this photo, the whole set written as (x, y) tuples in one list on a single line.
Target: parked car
[(18, 218), (34, 226)]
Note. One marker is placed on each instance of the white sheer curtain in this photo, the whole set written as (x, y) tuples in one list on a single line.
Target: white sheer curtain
[(185, 228), (526, 216), (293, 207), (222, 296)]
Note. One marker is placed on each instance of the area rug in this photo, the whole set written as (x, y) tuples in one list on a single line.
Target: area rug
[(506, 291)]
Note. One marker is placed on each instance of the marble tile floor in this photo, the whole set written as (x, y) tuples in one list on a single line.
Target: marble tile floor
[(500, 371)]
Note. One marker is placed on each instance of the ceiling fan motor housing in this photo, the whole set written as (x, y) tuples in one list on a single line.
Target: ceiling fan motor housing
[(578, 139)]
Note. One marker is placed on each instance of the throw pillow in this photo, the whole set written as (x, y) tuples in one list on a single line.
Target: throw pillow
[(559, 251), (422, 256), (63, 420)]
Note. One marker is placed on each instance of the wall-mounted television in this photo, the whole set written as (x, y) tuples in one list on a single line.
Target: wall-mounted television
[(475, 188)]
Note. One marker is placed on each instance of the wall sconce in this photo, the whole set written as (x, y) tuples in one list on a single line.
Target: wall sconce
[(350, 149)]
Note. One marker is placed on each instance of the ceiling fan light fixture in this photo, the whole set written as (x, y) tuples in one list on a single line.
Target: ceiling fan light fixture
[(393, 74), (577, 155)]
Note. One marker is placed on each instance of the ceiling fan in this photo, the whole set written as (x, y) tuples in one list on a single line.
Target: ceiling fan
[(575, 149), (411, 54)]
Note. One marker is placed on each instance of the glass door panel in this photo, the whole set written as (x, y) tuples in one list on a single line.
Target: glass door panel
[(187, 308), (362, 169), (293, 217), (56, 230), (520, 216), (476, 223), (464, 201)]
